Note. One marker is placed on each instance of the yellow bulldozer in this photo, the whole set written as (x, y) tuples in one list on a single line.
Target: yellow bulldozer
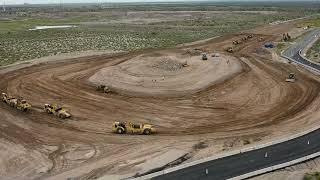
[(124, 127), (57, 111), (19, 103)]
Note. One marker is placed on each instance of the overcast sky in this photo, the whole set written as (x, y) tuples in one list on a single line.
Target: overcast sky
[(95, 1)]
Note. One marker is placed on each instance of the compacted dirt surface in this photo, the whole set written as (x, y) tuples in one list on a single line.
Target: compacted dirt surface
[(247, 102), (164, 74)]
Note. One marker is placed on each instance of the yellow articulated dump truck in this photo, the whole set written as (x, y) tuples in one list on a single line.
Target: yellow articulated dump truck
[(131, 128)]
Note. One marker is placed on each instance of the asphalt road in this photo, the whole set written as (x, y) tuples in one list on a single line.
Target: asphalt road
[(293, 51), (243, 163)]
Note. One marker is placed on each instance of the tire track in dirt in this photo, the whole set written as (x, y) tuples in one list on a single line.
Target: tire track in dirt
[(257, 99)]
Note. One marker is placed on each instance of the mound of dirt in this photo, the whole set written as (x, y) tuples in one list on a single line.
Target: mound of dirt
[(166, 75)]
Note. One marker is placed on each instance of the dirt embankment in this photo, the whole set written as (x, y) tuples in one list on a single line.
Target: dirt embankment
[(254, 105)]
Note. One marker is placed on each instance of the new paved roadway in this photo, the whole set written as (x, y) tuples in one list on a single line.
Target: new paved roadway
[(294, 51), (243, 163)]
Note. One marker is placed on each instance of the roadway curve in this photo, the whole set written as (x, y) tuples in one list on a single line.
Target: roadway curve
[(235, 165), (243, 163), (294, 51)]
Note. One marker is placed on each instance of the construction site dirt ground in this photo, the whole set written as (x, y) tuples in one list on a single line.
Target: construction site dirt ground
[(248, 103)]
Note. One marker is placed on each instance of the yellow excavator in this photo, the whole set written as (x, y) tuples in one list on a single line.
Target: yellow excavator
[(124, 127), (57, 111)]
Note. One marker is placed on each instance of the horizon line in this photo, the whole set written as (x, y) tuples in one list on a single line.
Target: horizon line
[(161, 1)]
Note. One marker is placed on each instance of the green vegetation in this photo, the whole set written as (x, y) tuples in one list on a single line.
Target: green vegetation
[(312, 176), (34, 44), (312, 23), (116, 27)]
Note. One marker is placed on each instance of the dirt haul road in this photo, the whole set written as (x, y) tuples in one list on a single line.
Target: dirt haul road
[(250, 104)]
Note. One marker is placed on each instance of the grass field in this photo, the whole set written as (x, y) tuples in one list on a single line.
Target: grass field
[(120, 29), (313, 22)]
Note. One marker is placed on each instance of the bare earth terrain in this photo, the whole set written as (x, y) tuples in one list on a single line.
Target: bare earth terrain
[(164, 74), (248, 102)]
